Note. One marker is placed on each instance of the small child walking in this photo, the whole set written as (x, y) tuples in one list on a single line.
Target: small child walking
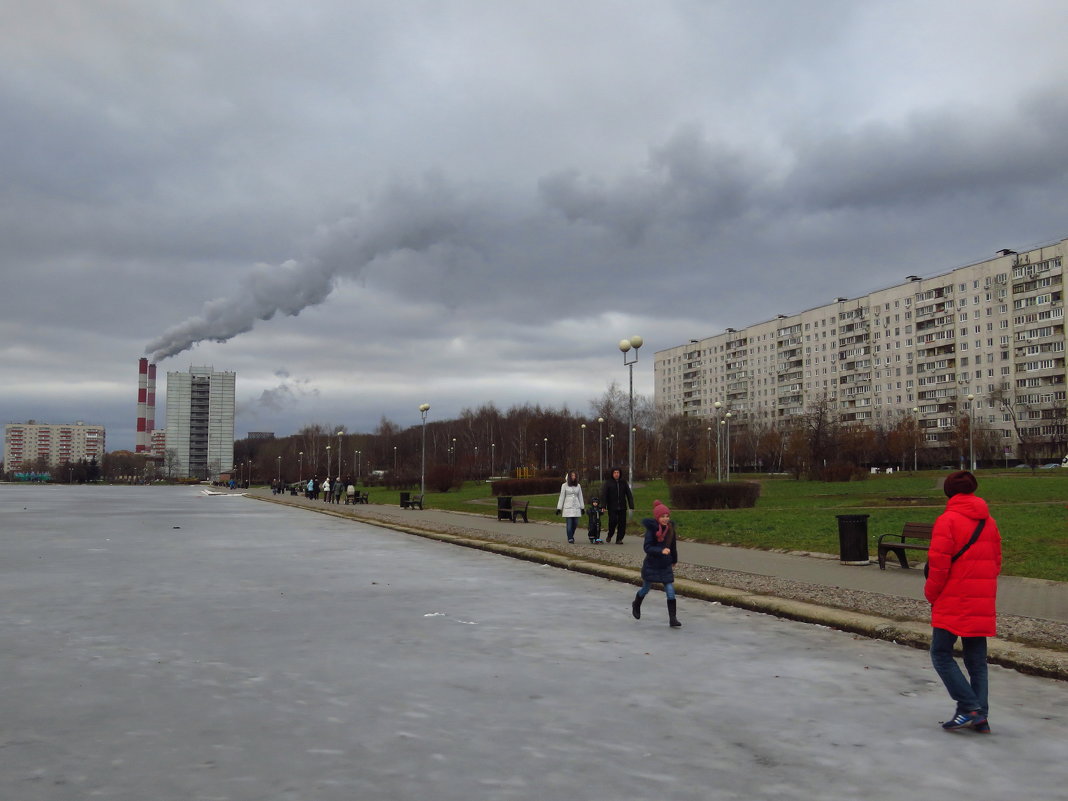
[(661, 554), (593, 524)]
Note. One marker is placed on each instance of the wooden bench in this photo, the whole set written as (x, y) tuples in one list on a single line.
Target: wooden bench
[(504, 508), (898, 544), (520, 510), (413, 502)]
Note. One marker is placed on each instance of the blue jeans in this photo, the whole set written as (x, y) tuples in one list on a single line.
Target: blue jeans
[(572, 525), (669, 589), (969, 695)]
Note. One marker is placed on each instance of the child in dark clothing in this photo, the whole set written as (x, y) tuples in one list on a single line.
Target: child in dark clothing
[(593, 527)]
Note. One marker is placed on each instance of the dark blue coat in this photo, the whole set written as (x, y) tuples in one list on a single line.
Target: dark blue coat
[(657, 565)]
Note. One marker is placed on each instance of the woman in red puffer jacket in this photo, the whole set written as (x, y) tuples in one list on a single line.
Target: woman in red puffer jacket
[(962, 589)]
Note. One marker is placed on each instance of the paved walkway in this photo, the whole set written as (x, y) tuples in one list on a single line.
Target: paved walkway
[(1035, 598)]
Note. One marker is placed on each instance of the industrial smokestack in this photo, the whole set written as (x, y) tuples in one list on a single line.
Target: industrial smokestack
[(141, 443)]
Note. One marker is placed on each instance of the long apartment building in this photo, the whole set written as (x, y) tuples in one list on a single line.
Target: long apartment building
[(29, 444), (993, 330)]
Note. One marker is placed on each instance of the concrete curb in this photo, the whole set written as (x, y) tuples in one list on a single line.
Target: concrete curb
[(1032, 660)]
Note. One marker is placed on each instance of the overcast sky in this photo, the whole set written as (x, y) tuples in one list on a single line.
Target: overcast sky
[(363, 206)]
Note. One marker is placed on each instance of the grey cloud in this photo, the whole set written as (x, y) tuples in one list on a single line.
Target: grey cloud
[(935, 155), (689, 181)]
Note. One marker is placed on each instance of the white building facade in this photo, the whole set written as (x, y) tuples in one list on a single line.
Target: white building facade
[(200, 422), (29, 444), (993, 330)]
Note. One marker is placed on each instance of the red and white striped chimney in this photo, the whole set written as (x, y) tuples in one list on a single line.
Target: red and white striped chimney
[(141, 443)]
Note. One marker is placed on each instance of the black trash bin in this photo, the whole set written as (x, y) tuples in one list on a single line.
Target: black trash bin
[(504, 507), (405, 500), (853, 539)]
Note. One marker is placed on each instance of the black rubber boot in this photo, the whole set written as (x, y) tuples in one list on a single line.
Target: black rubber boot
[(636, 607), (672, 620)]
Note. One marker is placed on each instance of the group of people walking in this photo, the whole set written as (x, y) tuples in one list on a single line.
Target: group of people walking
[(332, 491), (963, 565), (615, 500)]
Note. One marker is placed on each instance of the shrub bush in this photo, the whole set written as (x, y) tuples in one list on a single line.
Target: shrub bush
[(526, 486), (442, 478), (717, 495)]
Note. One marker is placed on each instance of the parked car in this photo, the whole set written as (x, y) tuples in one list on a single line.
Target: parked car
[(1051, 466)]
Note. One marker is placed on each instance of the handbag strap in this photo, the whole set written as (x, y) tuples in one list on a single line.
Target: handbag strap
[(969, 543)]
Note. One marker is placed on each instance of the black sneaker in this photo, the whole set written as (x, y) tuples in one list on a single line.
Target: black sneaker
[(965, 720)]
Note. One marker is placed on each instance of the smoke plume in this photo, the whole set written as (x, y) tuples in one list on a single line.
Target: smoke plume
[(415, 218)]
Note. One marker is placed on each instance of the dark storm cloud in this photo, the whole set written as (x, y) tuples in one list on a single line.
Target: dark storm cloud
[(935, 155)]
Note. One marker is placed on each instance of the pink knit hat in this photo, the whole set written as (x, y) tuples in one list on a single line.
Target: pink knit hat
[(659, 510)]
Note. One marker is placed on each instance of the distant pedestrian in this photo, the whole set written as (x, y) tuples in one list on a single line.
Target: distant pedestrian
[(964, 561), (618, 501), (338, 489), (593, 521), (661, 554), (570, 504), (326, 489)]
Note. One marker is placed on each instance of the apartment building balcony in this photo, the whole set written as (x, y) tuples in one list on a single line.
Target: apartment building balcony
[(923, 312)]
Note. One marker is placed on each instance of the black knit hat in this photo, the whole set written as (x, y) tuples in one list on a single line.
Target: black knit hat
[(959, 482)]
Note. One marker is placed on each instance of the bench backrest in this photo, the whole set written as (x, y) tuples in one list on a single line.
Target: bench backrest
[(918, 531)]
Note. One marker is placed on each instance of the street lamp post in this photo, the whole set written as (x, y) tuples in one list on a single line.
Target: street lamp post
[(394, 458), (719, 442), (279, 470), (600, 449), (545, 457), (493, 458), (971, 431), (359, 464), (727, 417), (583, 427), (423, 409), (915, 435), (328, 471), (339, 462), (630, 346), (300, 466)]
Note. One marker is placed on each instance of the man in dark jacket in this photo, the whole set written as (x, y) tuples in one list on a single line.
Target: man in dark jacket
[(618, 501)]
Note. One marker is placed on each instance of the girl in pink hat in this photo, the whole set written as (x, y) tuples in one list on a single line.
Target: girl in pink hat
[(661, 553)]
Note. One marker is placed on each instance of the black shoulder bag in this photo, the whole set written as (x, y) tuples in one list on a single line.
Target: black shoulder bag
[(960, 553)]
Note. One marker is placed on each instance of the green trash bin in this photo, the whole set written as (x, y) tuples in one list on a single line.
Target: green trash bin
[(853, 539)]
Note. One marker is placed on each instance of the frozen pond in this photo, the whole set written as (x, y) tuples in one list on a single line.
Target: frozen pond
[(160, 645)]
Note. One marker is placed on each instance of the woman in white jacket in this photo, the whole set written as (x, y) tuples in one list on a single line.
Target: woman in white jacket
[(571, 504)]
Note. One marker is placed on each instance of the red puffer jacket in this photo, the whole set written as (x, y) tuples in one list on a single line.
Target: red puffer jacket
[(963, 593)]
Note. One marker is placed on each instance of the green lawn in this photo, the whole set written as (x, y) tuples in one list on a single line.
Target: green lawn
[(800, 515)]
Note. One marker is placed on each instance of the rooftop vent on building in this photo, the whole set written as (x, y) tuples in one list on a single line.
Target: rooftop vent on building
[(912, 278)]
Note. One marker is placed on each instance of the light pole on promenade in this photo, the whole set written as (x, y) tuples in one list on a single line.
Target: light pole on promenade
[(628, 346)]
